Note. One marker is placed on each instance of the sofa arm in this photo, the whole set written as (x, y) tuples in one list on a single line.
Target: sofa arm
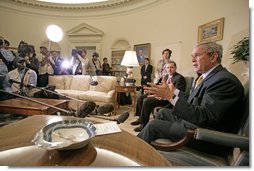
[(111, 93), (221, 138)]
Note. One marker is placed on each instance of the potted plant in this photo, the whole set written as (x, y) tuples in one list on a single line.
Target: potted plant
[(240, 51)]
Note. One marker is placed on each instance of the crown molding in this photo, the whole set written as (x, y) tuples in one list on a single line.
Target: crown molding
[(85, 6), (111, 7)]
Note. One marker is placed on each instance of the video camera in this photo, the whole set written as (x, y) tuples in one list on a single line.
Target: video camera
[(75, 53)]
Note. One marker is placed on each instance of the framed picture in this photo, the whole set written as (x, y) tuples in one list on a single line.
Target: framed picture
[(143, 51), (212, 31)]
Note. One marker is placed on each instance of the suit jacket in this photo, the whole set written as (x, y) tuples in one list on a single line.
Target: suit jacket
[(178, 81), (215, 103), (147, 72)]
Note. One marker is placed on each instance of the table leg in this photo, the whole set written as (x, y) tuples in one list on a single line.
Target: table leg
[(117, 102), (134, 103)]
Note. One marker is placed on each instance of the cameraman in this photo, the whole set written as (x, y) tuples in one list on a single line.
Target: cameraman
[(97, 63), (46, 67), (31, 61), (81, 64)]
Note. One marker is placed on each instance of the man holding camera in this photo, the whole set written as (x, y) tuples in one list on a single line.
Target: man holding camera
[(46, 67), (97, 63)]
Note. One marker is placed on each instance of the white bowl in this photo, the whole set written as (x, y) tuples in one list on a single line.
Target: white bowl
[(65, 135)]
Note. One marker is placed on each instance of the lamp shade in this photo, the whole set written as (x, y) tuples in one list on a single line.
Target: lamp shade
[(130, 59)]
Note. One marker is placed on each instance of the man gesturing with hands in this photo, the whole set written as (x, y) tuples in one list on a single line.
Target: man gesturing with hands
[(215, 103)]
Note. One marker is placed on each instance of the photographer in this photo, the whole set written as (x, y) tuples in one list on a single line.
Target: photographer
[(81, 64), (46, 67), (97, 64), (31, 61), (6, 56), (58, 61)]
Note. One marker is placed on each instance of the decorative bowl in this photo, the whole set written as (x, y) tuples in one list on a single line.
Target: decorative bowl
[(65, 135)]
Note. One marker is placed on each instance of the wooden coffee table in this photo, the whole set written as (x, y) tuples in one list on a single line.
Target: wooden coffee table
[(27, 107), (118, 149)]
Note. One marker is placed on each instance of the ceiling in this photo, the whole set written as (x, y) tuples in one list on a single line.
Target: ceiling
[(91, 9), (87, 4), (72, 1)]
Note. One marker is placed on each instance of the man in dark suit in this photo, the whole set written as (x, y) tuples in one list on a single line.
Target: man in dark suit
[(145, 105), (215, 103), (146, 72)]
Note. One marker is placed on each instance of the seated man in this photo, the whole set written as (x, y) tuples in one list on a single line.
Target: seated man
[(145, 105), (215, 102), (19, 79)]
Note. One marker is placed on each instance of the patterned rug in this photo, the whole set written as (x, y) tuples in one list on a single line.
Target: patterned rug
[(6, 119)]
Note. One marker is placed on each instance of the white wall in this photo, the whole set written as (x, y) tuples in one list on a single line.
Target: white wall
[(164, 24)]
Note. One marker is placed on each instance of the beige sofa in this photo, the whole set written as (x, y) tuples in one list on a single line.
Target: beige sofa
[(78, 87)]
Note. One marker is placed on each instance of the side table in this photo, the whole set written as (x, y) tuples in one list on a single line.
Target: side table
[(127, 89)]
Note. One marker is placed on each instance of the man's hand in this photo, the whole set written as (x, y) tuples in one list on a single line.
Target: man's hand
[(161, 91)]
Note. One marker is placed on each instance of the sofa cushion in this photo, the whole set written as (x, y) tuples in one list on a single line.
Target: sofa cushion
[(80, 82), (67, 81), (57, 80), (105, 83), (95, 96), (71, 93)]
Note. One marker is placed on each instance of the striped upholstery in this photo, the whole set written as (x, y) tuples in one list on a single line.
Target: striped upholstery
[(189, 84), (190, 157), (186, 156)]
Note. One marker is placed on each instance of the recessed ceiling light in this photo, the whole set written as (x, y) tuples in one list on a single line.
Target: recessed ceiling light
[(72, 1)]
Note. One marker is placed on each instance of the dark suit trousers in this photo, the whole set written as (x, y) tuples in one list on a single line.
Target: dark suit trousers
[(140, 104), (145, 106), (165, 125)]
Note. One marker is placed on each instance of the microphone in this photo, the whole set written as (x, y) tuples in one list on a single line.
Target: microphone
[(121, 119), (94, 83), (106, 108), (89, 106), (69, 113), (85, 109)]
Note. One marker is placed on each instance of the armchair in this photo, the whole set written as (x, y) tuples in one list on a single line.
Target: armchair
[(179, 154)]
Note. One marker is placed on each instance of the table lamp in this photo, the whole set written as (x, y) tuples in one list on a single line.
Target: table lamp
[(130, 60)]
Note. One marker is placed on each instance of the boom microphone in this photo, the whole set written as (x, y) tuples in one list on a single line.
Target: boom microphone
[(85, 109), (45, 89), (39, 102), (106, 108), (121, 119)]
